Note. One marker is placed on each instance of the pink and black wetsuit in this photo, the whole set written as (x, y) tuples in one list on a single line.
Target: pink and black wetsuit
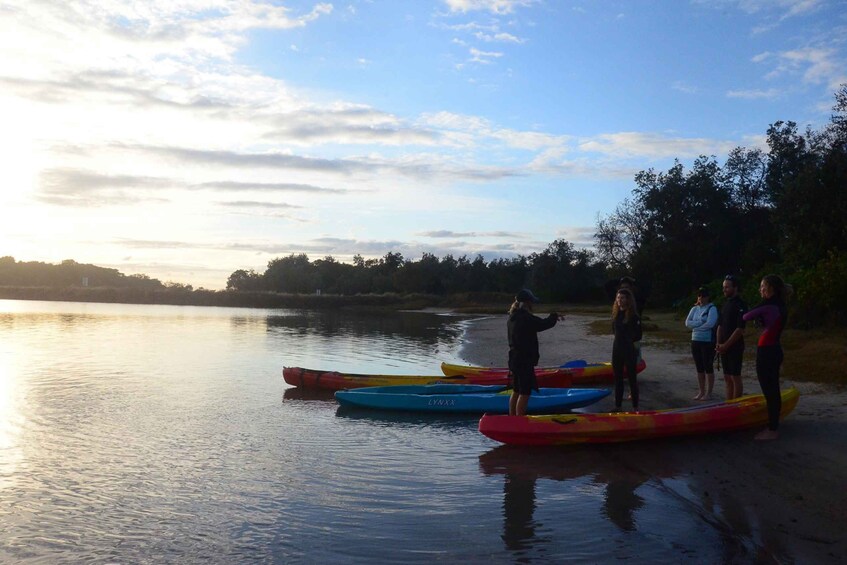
[(773, 315)]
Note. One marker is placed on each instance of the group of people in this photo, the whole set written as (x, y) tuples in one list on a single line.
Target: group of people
[(714, 337), (720, 337)]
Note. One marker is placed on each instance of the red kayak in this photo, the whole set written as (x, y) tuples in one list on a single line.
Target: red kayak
[(563, 429), (554, 377)]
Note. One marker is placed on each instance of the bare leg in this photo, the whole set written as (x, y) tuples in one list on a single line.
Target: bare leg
[(730, 386), (701, 383), (739, 386), (520, 409), (513, 403), (710, 384)]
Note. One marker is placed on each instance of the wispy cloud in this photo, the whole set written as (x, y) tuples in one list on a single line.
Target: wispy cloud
[(454, 235), (494, 6), (753, 94), (653, 146), (483, 57)]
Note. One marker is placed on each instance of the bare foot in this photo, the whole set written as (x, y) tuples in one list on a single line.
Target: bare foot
[(766, 435), (699, 396)]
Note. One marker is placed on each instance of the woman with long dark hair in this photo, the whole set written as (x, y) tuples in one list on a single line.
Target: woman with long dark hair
[(773, 315), (626, 325)]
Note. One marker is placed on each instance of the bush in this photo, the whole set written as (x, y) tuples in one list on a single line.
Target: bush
[(818, 291)]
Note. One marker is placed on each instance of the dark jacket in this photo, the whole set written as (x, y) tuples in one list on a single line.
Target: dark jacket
[(627, 332), (523, 328)]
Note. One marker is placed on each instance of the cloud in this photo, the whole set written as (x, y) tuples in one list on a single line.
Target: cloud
[(348, 125), (785, 8), (653, 146), (236, 186), (71, 187), (498, 37), (74, 187), (500, 7), (258, 204), (453, 234), (483, 57), (682, 86), (753, 94)]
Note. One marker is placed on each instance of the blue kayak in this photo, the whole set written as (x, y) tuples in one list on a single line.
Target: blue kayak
[(466, 398)]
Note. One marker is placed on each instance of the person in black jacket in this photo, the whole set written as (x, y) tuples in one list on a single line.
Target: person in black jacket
[(523, 327), (627, 327)]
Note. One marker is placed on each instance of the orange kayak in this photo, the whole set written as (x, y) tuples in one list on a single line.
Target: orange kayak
[(572, 373), (563, 429), (333, 380)]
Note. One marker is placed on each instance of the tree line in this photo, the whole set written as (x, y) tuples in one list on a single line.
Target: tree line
[(559, 273)]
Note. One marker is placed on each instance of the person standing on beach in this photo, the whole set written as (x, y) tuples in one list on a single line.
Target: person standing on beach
[(730, 337), (523, 327), (626, 325), (614, 285), (773, 315), (701, 320)]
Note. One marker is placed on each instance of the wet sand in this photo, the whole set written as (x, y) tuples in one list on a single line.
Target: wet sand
[(789, 496)]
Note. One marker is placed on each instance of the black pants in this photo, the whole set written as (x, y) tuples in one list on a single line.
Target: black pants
[(768, 361), (625, 358)]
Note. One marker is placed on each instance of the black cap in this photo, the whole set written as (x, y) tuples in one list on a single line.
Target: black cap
[(525, 295)]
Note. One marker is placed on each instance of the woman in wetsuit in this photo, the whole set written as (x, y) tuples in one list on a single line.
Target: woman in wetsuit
[(627, 327), (773, 315)]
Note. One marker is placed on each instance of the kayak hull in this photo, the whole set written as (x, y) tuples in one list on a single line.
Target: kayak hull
[(452, 398), (333, 380), (740, 413), (570, 374)]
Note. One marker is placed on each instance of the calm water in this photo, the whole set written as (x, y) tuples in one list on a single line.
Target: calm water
[(162, 434)]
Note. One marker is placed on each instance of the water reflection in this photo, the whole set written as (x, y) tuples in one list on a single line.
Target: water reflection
[(518, 510), (346, 324), (608, 468), (298, 393), (389, 417)]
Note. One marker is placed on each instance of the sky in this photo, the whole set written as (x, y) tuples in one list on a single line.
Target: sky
[(187, 139)]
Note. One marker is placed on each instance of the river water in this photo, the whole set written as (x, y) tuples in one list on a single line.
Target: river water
[(165, 434)]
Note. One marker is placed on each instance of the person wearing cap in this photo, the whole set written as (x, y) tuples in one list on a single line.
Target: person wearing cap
[(730, 337), (702, 320), (523, 327)]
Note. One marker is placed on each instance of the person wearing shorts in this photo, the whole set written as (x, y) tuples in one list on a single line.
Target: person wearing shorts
[(730, 337), (702, 320), (523, 327)]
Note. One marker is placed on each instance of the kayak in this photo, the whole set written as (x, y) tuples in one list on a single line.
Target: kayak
[(465, 398), (333, 380), (563, 429), (572, 373)]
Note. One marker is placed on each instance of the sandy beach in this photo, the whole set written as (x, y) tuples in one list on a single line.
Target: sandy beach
[(790, 495)]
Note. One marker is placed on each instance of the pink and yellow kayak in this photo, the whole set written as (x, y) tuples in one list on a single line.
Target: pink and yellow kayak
[(572, 373), (564, 429)]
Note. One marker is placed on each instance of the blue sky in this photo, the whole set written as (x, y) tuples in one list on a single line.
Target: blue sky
[(185, 139)]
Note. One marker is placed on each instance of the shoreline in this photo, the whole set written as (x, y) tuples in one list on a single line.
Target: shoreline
[(790, 491)]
